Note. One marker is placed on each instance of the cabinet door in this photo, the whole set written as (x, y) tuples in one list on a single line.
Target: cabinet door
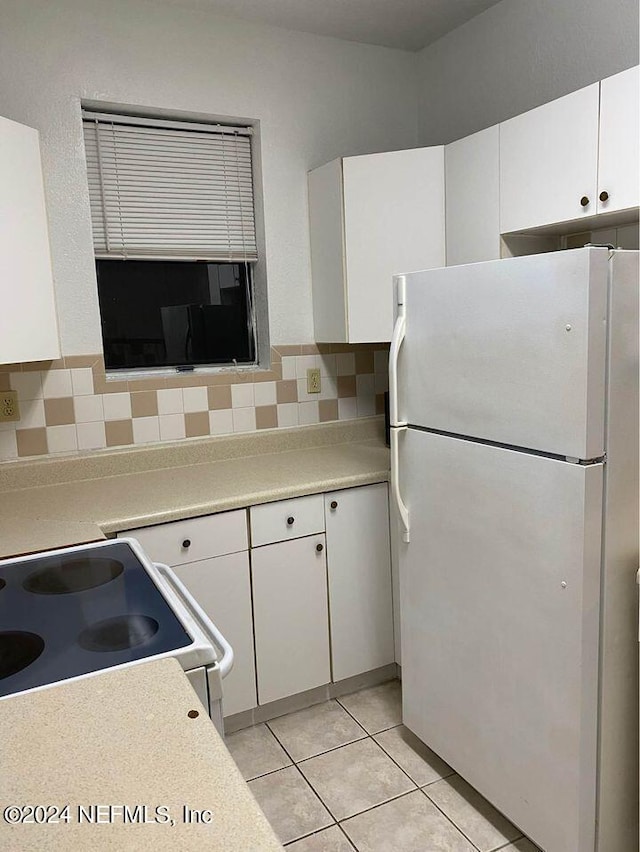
[(548, 162), (359, 572), (393, 222), (222, 588), (291, 618), (472, 189), (619, 152), (28, 323)]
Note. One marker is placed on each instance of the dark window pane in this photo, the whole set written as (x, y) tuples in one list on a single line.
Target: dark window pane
[(159, 313)]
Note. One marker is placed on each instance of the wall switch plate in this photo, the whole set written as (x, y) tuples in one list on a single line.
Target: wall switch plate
[(9, 409), (313, 380)]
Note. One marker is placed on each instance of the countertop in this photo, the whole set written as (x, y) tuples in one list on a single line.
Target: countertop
[(123, 737), (72, 501)]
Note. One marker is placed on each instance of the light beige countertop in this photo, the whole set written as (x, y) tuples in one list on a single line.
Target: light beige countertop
[(123, 737), (61, 501)]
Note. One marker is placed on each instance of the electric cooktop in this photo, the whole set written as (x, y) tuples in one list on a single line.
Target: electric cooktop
[(78, 611)]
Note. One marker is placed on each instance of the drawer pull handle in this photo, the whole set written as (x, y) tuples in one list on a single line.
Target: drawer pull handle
[(604, 195), (186, 543), (319, 548), (584, 201), (290, 521), (334, 505)]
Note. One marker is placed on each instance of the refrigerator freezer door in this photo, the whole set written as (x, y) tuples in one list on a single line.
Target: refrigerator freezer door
[(510, 351), (499, 612)]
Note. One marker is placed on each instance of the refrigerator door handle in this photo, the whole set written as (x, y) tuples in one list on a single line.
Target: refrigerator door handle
[(397, 340), (403, 512)]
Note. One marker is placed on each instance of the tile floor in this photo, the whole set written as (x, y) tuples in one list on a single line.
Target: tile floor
[(346, 775)]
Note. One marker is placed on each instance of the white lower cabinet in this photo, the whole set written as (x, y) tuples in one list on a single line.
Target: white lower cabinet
[(291, 618), (222, 588), (359, 576)]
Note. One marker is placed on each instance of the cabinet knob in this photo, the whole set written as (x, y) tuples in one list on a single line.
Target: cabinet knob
[(319, 548), (290, 522), (584, 201), (334, 505), (604, 195), (186, 543)]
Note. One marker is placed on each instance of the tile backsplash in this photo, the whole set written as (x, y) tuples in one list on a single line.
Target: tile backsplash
[(70, 405)]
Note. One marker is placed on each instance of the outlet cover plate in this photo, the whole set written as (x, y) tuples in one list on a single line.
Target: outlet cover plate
[(9, 408), (313, 380)]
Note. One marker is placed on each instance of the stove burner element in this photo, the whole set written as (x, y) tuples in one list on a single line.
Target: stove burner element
[(18, 649), (117, 634), (77, 575)]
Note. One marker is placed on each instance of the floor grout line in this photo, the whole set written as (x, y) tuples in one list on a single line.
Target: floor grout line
[(446, 815)]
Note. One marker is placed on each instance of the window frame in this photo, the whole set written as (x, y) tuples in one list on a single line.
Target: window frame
[(257, 306)]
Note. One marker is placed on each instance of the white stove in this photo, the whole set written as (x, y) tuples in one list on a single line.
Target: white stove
[(74, 612)]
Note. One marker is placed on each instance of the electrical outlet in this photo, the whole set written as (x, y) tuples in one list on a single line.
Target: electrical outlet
[(9, 409), (313, 380)]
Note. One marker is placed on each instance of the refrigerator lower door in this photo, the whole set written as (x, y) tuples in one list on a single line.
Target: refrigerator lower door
[(500, 590), (511, 351)]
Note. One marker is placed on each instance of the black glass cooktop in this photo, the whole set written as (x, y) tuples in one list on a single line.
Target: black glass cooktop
[(80, 611)]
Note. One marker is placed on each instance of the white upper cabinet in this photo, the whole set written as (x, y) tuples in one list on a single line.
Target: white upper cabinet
[(28, 323), (370, 217), (619, 152), (473, 198), (548, 162)]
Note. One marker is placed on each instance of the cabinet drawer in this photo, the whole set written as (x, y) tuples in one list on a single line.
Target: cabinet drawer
[(286, 519), (196, 538)]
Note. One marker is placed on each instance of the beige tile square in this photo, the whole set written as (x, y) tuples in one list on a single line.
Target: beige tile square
[(59, 412), (56, 384), (287, 414), (195, 399), (290, 805), (91, 436), (287, 391), (119, 433), (88, 409), (345, 364), (8, 445), (485, 827), (62, 439), (364, 361), (366, 406), (328, 409), (347, 408), (376, 708), (288, 368), (144, 404), (27, 385), (146, 430), (196, 424), (308, 413), (242, 396), (264, 393), (32, 442), (365, 384), (5, 382), (244, 419), (221, 422), (256, 752), (82, 381), (219, 397), (170, 401), (354, 778), (328, 840), (172, 427), (117, 406), (411, 754), (315, 730), (346, 386), (408, 824), (266, 417), (31, 413)]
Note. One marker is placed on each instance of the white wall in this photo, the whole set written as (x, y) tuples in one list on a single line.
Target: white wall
[(517, 55), (315, 97)]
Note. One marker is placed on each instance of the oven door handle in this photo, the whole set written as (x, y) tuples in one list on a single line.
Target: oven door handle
[(225, 663)]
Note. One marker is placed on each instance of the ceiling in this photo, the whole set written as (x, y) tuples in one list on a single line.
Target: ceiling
[(406, 24)]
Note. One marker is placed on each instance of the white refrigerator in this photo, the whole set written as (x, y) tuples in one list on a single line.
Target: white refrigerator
[(514, 443)]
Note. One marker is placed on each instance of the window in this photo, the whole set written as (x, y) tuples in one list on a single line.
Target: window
[(172, 212)]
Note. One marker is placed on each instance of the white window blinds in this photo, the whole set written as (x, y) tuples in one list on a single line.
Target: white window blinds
[(169, 190)]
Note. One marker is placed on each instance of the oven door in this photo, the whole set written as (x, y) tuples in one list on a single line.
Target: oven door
[(206, 680)]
